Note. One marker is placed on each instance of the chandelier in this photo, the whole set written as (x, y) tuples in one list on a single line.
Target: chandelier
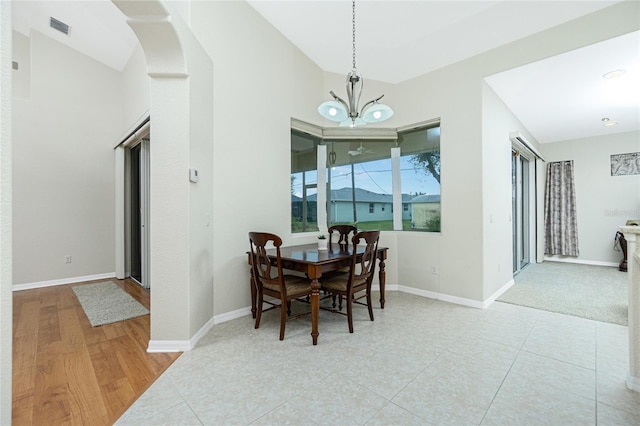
[(349, 114)]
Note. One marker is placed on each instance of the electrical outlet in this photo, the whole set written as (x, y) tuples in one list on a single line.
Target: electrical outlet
[(67, 259), (434, 270)]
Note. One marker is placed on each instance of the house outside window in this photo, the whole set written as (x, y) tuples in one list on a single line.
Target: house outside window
[(359, 176)]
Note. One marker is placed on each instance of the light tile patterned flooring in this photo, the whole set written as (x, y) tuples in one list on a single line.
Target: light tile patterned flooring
[(420, 362)]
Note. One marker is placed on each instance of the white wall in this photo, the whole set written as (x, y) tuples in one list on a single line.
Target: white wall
[(498, 123), (260, 82), (6, 299), (201, 221), (603, 202), (63, 165), (21, 53), (135, 90), (469, 175)]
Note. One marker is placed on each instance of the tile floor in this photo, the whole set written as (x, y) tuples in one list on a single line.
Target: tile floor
[(420, 362)]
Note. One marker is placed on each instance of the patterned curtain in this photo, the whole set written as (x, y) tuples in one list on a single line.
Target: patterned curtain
[(560, 223)]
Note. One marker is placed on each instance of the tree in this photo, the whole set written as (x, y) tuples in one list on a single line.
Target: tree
[(429, 162)]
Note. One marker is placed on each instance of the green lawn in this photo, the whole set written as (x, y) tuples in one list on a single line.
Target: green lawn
[(382, 225)]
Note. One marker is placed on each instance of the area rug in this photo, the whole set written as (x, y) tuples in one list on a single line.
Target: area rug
[(106, 303), (594, 292)]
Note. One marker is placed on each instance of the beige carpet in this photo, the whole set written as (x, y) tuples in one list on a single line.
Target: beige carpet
[(587, 291), (107, 302)]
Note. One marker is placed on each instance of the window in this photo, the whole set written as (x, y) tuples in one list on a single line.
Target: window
[(359, 176), (304, 182), (420, 176)]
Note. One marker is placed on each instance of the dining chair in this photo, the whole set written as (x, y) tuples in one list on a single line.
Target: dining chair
[(270, 281), (344, 235), (358, 278)]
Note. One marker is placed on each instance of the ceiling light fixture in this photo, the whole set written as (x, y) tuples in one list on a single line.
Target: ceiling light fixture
[(606, 122), (348, 114), (614, 73)]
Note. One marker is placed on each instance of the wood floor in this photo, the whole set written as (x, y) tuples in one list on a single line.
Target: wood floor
[(67, 372)]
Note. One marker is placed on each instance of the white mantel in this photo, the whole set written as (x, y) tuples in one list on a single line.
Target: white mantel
[(632, 235)]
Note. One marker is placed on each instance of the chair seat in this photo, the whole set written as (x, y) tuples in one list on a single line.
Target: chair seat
[(338, 281), (295, 285)]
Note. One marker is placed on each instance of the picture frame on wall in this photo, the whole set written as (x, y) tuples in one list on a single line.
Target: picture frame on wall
[(625, 164)]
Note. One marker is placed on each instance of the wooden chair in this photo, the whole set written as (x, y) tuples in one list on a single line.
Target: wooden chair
[(269, 279), (358, 278), (344, 235)]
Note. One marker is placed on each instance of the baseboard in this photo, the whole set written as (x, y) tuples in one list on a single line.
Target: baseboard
[(387, 287), (228, 316), (187, 345), (41, 284), (633, 383), (440, 296), (497, 294), (579, 261), (169, 346)]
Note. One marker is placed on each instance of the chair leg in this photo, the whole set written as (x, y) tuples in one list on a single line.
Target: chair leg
[(283, 318), (333, 298), (369, 305), (259, 310), (349, 311), (289, 307), (339, 303)]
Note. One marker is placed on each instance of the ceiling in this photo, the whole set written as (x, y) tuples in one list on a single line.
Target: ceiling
[(556, 99)]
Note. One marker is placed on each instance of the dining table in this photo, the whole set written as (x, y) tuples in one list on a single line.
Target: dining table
[(313, 262)]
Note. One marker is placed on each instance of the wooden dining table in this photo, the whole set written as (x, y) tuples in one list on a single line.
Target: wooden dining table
[(313, 262)]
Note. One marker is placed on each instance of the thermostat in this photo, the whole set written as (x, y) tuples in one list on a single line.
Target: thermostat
[(194, 176)]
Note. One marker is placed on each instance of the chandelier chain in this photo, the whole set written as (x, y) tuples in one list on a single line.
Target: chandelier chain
[(353, 23)]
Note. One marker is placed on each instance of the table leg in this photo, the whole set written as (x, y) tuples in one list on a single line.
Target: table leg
[(382, 276), (315, 309)]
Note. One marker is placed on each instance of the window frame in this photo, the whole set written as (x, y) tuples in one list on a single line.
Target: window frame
[(331, 135)]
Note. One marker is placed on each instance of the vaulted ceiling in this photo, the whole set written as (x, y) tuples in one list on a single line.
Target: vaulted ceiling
[(559, 98)]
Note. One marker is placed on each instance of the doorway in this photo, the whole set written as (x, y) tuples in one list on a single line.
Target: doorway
[(522, 203), (137, 215)]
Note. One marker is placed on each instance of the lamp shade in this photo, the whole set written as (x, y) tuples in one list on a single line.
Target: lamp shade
[(333, 110), (377, 113)]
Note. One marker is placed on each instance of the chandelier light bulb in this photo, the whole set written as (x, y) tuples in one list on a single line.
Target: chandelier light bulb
[(333, 112), (377, 115)]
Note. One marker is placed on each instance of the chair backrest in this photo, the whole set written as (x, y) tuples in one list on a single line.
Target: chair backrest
[(263, 270), (345, 233), (363, 267)]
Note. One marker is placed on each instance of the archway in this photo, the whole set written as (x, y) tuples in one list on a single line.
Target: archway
[(176, 135)]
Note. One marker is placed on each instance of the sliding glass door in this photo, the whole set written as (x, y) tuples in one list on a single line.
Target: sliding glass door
[(521, 197), (138, 212)]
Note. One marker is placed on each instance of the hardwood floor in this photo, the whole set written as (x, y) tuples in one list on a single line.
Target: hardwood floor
[(67, 372)]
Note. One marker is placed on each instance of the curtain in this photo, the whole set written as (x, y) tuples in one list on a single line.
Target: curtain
[(560, 223)]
